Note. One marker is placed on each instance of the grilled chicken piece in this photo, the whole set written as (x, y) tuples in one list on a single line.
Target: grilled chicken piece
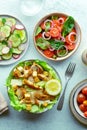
[(27, 96), (42, 96), (36, 67), (15, 87), (25, 101), (16, 73), (20, 93), (43, 77), (19, 72), (30, 84)]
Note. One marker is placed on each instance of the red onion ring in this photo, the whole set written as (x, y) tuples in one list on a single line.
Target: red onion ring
[(51, 49), (61, 20), (72, 33), (60, 48), (48, 20), (46, 38)]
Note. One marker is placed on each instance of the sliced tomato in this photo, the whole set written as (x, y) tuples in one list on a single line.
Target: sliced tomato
[(71, 47), (48, 53), (47, 34), (64, 17), (55, 23), (55, 32), (38, 36), (74, 30), (42, 26)]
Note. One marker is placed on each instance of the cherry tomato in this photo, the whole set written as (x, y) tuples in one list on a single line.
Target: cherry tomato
[(71, 46), (85, 113), (55, 32), (48, 53), (84, 90), (82, 108), (81, 98), (85, 103)]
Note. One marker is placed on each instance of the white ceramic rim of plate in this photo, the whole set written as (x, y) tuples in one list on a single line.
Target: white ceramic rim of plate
[(11, 61)]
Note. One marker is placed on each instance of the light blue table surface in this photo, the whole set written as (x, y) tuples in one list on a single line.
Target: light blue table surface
[(53, 119)]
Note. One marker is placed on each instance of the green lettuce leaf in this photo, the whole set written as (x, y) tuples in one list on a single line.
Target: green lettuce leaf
[(68, 26)]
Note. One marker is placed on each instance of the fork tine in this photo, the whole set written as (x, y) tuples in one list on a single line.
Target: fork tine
[(70, 68)]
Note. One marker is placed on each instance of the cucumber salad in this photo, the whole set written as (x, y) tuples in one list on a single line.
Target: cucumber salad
[(33, 86), (56, 36), (12, 38)]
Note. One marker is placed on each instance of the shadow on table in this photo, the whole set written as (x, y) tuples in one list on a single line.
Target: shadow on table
[(34, 117), (4, 114)]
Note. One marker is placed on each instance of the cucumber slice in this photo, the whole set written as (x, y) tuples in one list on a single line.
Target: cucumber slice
[(16, 51), (5, 50), (16, 41), (21, 33), (5, 30), (1, 47), (2, 36), (24, 40), (7, 56), (10, 22)]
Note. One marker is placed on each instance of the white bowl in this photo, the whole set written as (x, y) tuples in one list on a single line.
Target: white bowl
[(78, 31)]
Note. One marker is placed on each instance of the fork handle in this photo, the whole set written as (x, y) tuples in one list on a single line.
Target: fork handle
[(61, 100)]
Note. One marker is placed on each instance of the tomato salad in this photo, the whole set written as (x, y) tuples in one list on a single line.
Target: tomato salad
[(56, 36)]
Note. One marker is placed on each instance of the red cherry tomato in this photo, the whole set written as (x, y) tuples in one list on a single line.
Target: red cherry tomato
[(85, 113), (82, 108), (48, 53), (81, 98), (84, 90)]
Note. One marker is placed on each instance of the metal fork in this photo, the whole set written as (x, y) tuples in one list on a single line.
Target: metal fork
[(68, 74)]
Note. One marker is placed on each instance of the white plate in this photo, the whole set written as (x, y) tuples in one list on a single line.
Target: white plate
[(12, 60)]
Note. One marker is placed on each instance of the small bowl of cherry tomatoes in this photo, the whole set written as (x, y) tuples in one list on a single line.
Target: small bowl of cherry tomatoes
[(80, 101), (57, 36)]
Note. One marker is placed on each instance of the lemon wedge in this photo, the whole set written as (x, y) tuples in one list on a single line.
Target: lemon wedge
[(53, 87)]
